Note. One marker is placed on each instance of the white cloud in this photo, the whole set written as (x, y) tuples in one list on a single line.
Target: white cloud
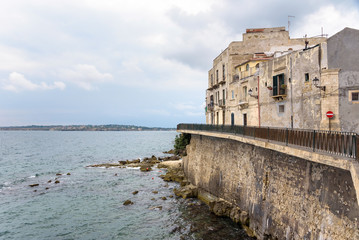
[(17, 83), (85, 76), (156, 48), (332, 18)]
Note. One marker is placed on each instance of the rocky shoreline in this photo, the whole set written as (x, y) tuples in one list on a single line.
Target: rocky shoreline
[(175, 173), (145, 165)]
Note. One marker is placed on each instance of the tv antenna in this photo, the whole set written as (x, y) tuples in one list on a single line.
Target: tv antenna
[(289, 16)]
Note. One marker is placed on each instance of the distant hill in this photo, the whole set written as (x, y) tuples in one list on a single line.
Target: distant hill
[(110, 127)]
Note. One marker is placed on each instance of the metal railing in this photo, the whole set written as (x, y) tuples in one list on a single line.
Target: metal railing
[(247, 73), (337, 143), (222, 102)]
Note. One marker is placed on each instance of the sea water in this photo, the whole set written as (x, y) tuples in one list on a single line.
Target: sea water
[(87, 203)]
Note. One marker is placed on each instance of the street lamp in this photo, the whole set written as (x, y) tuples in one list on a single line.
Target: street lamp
[(316, 84)]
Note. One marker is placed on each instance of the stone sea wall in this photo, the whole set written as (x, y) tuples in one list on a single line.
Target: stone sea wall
[(284, 197)]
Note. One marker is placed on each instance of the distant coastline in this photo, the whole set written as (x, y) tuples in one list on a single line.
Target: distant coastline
[(109, 127)]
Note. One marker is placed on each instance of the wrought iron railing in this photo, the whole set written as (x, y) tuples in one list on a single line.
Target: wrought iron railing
[(337, 143)]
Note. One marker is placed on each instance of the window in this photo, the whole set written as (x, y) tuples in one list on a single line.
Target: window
[(224, 72), (211, 79), (245, 93), (232, 94), (257, 66), (278, 85), (306, 77), (217, 76), (281, 108), (224, 96), (247, 67), (354, 96)]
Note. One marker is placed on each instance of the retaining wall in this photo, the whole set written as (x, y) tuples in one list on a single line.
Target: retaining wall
[(287, 197)]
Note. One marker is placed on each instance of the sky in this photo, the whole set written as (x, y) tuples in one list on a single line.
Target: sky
[(137, 62)]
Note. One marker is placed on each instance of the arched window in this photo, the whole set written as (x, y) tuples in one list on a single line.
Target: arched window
[(257, 66)]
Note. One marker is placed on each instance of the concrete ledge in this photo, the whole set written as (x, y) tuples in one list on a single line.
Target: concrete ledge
[(331, 160)]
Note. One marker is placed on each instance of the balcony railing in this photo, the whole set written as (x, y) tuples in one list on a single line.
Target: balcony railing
[(210, 106), (337, 143), (222, 102), (247, 73)]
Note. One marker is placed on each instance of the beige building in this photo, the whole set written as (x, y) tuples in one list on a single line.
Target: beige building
[(269, 79)]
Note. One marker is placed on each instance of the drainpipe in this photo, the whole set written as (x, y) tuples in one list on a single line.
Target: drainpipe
[(291, 93), (259, 109)]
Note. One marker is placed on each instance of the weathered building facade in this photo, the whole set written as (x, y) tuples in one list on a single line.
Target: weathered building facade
[(269, 79)]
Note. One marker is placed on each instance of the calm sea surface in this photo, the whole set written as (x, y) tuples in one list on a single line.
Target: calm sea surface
[(88, 203)]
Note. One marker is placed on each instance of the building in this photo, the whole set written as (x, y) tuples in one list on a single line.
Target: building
[(271, 80)]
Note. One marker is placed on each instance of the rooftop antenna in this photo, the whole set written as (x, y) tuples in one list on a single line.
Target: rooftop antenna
[(289, 16)]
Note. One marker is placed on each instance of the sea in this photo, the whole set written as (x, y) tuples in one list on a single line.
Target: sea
[(73, 201)]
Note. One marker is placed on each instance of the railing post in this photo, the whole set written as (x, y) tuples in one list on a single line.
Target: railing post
[(357, 147), (313, 140), (286, 136)]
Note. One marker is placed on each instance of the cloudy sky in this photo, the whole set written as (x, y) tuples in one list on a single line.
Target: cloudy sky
[(135, 62)]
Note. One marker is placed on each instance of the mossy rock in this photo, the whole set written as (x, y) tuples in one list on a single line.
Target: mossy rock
[(145, 168), (127, 202)]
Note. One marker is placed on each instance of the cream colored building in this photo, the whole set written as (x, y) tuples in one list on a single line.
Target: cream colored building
[(267, 80)]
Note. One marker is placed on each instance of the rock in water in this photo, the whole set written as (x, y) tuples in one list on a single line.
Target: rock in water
[(145, 168), (34, 185), (128, 202), (188, 191), (135, 192)]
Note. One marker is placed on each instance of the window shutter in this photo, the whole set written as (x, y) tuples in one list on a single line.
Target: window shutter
[(275, 86)]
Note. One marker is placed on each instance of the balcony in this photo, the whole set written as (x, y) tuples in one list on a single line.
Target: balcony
[(222, 103), (243, 103), (247, 73), (210, 107), (223, 81), (280, 94)]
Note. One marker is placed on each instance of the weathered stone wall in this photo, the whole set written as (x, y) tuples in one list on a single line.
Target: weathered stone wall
[(286, 197)]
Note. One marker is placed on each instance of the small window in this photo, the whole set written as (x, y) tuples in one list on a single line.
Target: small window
[(224, 72), (281, 108), (232, 94), (306, 77), (217, 76), (354, 96), (247, 67)]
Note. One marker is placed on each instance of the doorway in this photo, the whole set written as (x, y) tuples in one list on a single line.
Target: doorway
[(232, 119)]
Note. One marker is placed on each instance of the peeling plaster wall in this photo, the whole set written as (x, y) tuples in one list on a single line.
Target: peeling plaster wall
[(302, 101), (286, 197), (343, 52)]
